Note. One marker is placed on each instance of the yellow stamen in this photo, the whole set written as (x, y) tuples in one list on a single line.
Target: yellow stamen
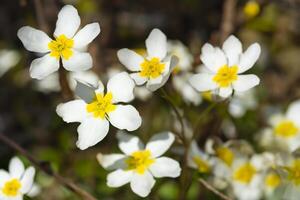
[(61, 47), (12, 188), (225, 154), (272, 180), (244, 173), (251, 9), (226, 75), (152, 68), (202, 165), (140, 161), (294, 172), (286, 129), (101, 106)]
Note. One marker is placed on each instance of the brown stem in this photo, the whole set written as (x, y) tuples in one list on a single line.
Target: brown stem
[(227, 24), (214, 190), (47, 169)]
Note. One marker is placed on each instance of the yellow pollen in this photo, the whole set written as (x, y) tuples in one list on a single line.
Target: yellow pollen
[(61, 47), (244, 173), (11, 188), (294, 172), (226, 75), (251, 9), (225, 154), (139, 161), (101, 106), (272, 180), (202, 165), (152, 68), (286, 129)]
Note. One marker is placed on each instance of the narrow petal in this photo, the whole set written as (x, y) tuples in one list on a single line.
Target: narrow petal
[(4, 176), (225, 92), (72, 111), (160, 143), (245, 82), (34, 39), (16, 167), (138, 79), (129, 143), (130, 59), (86, 91), (293, 112), (27, 180), (111, 161), (86, 35), (213, 58), (165, 167), (119, 178), (91, 131), (141, 184), (156, 44), (249, 57), (203, 82), (232, 48), (68, 22), (43, 67), (79, 61), (125, 117), (121, 86)]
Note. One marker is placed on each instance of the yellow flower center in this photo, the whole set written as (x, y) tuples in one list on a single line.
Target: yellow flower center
[(226, 75), (101, 106), (244, 173), (139, 161), (272, 180), (286, 129), (152, 68), (225, 154), (294, 172), (11, 188), (61, 47), (202, 165), (251, 9)]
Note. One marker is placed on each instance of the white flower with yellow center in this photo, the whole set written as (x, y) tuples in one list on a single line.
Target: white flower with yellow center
[(97, 108), (199, 160), (17, 182), (67, 45), (140, 163), (155, 68), (225, 67)]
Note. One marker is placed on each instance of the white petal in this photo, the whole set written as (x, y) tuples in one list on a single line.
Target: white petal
[(156, 44), (225, 92), (165, 167), (249, 57), (79, 61), (141, 184), (34, 39), (130, 59), (111, 161), (232, 48), (138, 79), (4, 176), (89, 77), (68, 22), (72, 111), (213, 58), (44, 66), (129, 143), (16, 167), (154, 81), (86, 91), (91, 131), (203, 82), (119, 178), (125, 117), (121, 86), (245, 82), (293, 112), (27, 180), (160, 143), (34, 191), (86, 35)]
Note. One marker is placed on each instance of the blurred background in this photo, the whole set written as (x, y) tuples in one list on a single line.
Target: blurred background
[(27, 106)]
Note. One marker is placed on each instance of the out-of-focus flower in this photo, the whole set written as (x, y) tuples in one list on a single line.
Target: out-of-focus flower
[(251, 9), (198, 159), (8, 59), (17, 181), (156, 67), (225, 68), (139, 163), (68, 46), (97, 108)]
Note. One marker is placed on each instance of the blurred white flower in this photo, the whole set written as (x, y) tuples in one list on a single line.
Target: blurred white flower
[(156, 67), (225, 68), (8, 59), (139, 163), (97, 108), (68, 46), (17, 182), (241, 102)]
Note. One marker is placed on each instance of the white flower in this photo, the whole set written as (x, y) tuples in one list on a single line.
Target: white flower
[(156, 67), (8, 59), (17, 181), (97, 108), (68, 45), (140, 163), (225, 68)]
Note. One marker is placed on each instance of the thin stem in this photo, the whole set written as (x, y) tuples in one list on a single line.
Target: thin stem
[(214, 190), (47, 169), (228, 17)]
